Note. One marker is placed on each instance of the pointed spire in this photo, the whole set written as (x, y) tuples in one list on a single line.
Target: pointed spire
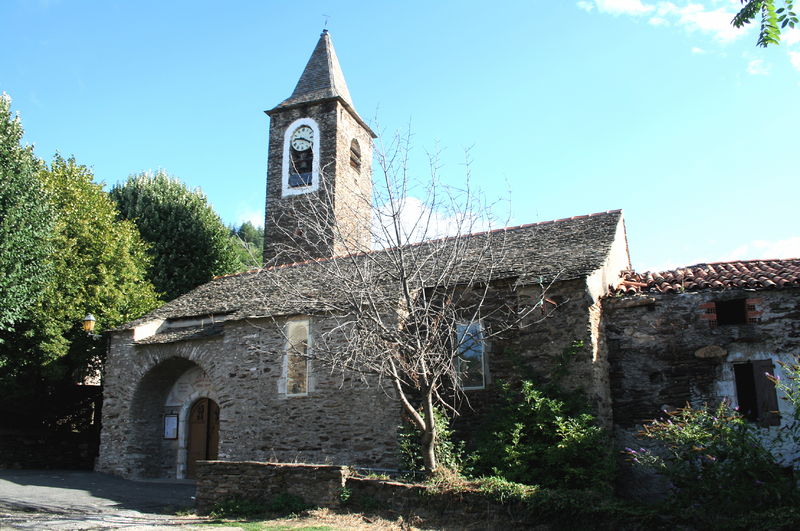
[(322, 77)]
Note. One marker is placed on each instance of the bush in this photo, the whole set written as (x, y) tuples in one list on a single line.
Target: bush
[(449, 453), (716, 462), (538, 438)]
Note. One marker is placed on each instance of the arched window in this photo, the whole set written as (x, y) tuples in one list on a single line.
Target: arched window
[(355, 155), (301, 158), (296, 357)]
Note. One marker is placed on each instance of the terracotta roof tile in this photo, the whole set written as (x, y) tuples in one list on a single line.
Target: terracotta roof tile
[(741, 274)]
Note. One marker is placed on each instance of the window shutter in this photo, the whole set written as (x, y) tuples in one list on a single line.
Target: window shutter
[(766, 396)]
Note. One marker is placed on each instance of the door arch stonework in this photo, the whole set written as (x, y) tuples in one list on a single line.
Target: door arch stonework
[(169, 387)]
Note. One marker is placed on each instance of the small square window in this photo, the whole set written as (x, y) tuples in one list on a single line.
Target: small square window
[(731, 312)]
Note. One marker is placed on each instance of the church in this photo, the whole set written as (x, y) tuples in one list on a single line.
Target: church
[(228, 371)]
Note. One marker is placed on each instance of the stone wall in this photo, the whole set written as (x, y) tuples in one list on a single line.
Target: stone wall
[(341, 420), (343, 194), (217, 481), (333, 486), (533, 353), (665, 353)]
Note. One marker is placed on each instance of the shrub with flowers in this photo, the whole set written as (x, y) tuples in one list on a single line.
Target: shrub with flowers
[(715, 460)]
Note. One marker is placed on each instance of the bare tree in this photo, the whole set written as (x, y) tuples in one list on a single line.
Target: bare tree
[(415, 309)]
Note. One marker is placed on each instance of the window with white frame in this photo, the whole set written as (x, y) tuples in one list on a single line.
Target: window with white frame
[(301, 152), (470, 362), (296, 357)]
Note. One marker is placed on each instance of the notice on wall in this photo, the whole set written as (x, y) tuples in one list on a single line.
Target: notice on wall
[(170, 426)]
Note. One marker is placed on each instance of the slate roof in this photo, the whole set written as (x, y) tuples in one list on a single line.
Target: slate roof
[(742, 274), (322, 78), (563, 249)]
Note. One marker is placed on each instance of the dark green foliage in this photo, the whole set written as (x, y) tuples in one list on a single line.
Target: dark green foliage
[(716, 461), (189, 244), (238, 508), (99, 266), (282, 504), (25, 224), (449, 453), (773, 19), (285, 503), (539, 439)]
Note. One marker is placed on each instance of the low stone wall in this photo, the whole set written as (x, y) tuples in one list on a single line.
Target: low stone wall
[(332, 486), (319, 485)]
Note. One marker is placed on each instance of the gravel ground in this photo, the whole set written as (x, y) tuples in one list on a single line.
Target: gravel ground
[(72, 500)]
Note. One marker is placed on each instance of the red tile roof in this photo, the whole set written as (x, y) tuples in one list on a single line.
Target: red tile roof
[(742, 274)]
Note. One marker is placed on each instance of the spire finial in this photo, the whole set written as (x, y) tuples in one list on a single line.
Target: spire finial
[(325, 26)]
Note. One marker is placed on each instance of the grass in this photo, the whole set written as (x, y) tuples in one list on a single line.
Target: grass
[(311, 520)]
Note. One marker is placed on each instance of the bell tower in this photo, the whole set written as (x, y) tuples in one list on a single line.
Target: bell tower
[(319, 172)]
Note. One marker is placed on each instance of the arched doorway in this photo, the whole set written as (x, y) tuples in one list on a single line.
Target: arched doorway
[(203, 440), (167, 390)]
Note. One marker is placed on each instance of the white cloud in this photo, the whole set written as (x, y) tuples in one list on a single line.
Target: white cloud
[(794, 57), (418, 223), (699, 17), (791, 36), (757, 67), (764, 249), (697, 50), (707, 16), (255, 217)]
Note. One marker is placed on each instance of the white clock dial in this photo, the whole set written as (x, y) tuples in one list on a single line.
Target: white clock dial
[(302, 138)]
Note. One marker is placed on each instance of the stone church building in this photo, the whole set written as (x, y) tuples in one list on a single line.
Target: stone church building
[(211, 374)]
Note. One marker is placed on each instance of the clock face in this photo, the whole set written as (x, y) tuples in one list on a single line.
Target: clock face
[(302, 138)]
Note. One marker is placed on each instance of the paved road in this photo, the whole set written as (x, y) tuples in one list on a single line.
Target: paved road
[(72, 500)]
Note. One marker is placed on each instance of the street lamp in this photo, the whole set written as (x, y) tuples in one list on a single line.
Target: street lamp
[(88, 323)]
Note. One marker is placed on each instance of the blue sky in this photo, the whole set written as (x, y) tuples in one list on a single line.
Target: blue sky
[(659, 108)]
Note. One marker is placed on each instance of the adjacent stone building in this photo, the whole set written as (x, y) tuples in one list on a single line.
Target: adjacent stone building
[(702, 334), (216, 373)]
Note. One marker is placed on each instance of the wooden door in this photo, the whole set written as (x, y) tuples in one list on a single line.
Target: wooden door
[(203, 434)]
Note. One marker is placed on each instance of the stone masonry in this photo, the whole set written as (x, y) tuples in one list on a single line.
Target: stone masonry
[(340, 421)]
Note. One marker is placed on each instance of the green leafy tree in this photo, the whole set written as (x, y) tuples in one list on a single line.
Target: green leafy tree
[(248, 240), (99, 266), (189, 244), (773, 18), (25, 223)]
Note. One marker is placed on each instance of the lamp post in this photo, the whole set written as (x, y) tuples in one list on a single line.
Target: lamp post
[(88, 323)]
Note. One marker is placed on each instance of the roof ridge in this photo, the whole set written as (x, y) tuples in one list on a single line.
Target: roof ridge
[(444, 238), (721, 262)]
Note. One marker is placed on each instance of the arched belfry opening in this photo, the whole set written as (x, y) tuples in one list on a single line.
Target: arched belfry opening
[(163, 443), (301, 157)]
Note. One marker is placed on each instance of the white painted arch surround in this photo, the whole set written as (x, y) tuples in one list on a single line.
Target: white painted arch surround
[(286, 190)]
